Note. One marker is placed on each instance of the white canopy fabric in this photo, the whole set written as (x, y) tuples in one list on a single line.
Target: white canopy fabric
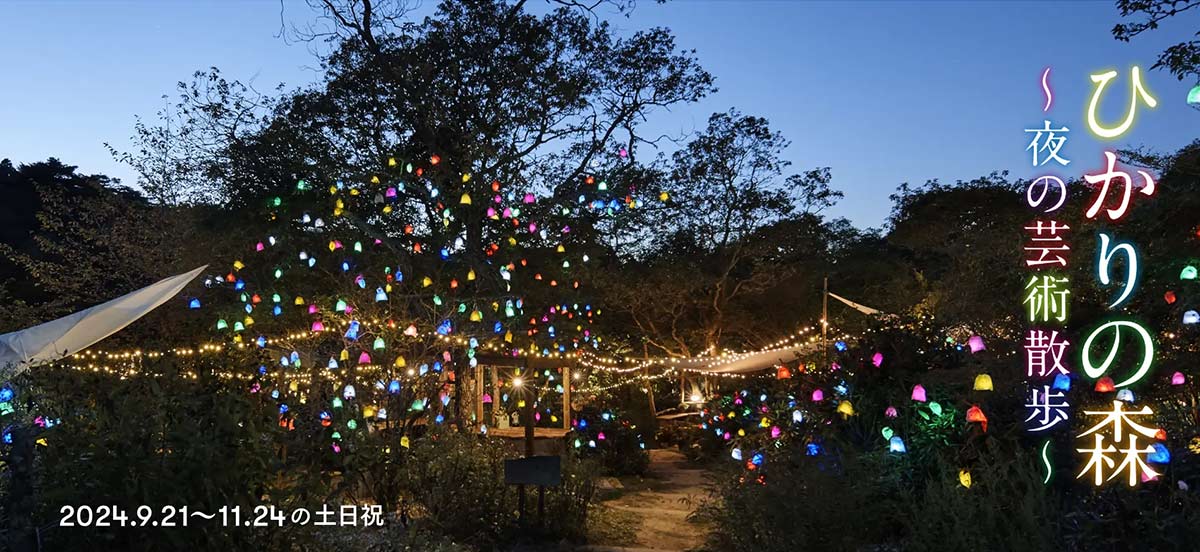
[(70, 334), (856, 306)]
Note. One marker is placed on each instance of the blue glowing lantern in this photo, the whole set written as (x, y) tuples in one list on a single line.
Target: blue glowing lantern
[(1191, 317), (813, 449), (896, 444), (1062, 382), (194, 304), (1161, 454)]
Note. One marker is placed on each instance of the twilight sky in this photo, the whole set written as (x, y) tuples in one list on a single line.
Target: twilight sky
[(882, 92)]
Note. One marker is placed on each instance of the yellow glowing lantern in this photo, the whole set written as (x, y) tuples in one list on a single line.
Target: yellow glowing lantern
[(845, 408), (983, 382), (964, 478)]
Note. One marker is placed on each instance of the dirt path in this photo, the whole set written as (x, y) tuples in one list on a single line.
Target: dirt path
[(658, 502)]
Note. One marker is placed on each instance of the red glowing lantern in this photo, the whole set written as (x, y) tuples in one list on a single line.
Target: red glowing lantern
[(975, 415), (1105, 385)]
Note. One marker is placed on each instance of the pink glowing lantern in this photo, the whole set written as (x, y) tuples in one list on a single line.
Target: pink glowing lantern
[(1178, 378), (312, 309), (776, 432), (918, 393), (318, 326), (818, 395), (976, 344), (364, 358), (890, 412), (487, 398), (877, 359), (529, 198)]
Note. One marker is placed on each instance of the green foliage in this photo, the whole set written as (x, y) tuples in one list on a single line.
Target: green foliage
[(163, 439), (608, 435), (801, 502)]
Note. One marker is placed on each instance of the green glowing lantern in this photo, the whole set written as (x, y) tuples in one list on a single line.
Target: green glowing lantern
[(1188, 273), (935, 408), (1194, 96)]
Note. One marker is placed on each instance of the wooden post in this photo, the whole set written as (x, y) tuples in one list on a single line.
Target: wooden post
[(495, 392), (566, 374), (825, 324), (479, 395)]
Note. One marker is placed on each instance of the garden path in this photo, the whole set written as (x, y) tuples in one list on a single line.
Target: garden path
[(662, 501)]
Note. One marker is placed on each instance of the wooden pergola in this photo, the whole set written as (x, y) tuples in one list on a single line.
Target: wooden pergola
[(493, 364)]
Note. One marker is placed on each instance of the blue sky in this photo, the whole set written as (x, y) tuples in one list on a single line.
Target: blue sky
[(882, 92)]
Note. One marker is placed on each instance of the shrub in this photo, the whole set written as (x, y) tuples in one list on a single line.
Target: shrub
[(606, 435)]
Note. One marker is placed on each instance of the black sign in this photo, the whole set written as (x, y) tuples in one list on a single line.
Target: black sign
[(535, 470)]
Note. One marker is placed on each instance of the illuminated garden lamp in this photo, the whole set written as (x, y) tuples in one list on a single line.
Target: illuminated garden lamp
[(918, 393), (1161, 454), (983, 382), (896, 444), (1125, 395), (1062, 382), (1178, 378), (975, 415), (1105, 385), (1191, 317), (1193, 97)]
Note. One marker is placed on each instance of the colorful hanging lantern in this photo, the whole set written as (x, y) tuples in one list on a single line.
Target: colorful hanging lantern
[(896, 444), (975, 343), (1105, 385), (845, 409), (1062, 382), (964, 478), (1125, 395), (1188, 273), (918, 393), (782, 372), (818, 395), (877, 359), (890, 412), (983, 382), (975, 415), (1178, 379)]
